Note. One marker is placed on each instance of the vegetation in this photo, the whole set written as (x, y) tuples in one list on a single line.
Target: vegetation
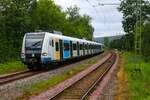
[(20, 16), (135, 21), (106, 42), (146, 41), (10, 67), (138, 77)]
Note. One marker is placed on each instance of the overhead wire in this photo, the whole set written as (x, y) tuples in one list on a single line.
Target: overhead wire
[(97, 12), (106, 16), (107, 26)]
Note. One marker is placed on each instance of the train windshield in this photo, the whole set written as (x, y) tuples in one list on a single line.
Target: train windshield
[(34, 41)]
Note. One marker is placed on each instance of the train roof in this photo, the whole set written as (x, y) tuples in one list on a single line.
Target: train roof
[(65, 37)]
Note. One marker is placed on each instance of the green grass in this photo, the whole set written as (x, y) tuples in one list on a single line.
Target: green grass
[(15, 66), (138, 82), (44, 85), (10, 67)]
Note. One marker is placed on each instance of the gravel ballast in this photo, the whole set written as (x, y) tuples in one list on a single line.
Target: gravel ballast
[(67, 83), (15, 89), (105, 89)]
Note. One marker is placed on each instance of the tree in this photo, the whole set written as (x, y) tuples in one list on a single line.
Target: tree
[(132, 14), (14, 22), (47, 16), (81, 25), (106, 42), (146, 41), (73, 12)]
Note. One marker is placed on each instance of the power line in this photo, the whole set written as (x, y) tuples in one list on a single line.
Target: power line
[(106, 4), (92, 6), (103, 14), (104, 18)]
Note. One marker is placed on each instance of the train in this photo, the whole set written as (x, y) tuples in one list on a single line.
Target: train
[(45, 48)]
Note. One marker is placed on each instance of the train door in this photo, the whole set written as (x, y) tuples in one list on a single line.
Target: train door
[(78, 48), (71, 49), (57, 49), (90, 51), (87, 49), (61, 49), (75, 49), (66, 49), (50, 51), (83, 47)]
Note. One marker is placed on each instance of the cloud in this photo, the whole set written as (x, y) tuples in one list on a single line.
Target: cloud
[(105, 19)]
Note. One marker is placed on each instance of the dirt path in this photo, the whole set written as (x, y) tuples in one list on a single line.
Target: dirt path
[(122, 89), (116, 88)]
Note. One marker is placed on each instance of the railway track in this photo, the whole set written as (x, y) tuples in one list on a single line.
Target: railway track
[(81, 89), (16, 76)]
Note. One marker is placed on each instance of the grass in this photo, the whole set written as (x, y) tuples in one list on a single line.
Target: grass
[(10, 67), (138, 81), (37, 88), (15, 66)]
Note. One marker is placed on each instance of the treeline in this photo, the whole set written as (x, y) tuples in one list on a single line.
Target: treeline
[(20, 16), (135, 21)]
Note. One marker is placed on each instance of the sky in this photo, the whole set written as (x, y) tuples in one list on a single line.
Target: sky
[(106, 20)]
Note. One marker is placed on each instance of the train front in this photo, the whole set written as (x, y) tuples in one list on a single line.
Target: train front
[(32, 48)]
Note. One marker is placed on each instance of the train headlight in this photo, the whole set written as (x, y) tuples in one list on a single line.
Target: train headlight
[(44, 54)]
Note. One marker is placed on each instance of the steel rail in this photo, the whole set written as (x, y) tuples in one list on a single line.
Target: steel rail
[(98, 80), (13, 74), (16, 76), (93, 85)]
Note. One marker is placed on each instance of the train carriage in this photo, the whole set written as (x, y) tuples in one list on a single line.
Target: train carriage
[(42, 48)]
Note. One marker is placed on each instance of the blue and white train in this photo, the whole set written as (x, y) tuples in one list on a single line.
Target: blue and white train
[(41, 48)]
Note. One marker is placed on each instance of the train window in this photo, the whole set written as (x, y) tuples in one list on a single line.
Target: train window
[(85, 46), (74, 46), (90, 46), (57, 46), (66, 46), (52, 43), (81, 47)]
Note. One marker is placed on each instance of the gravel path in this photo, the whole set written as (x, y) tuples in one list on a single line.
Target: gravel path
[(12, 90)]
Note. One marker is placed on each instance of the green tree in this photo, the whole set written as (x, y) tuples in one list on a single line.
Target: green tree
[(48, 16), (146, 41), (80, 25), (106, 42), (14, 22), (132, 14)]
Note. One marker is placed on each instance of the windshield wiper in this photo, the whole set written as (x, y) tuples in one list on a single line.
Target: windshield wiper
[(36, 44)]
